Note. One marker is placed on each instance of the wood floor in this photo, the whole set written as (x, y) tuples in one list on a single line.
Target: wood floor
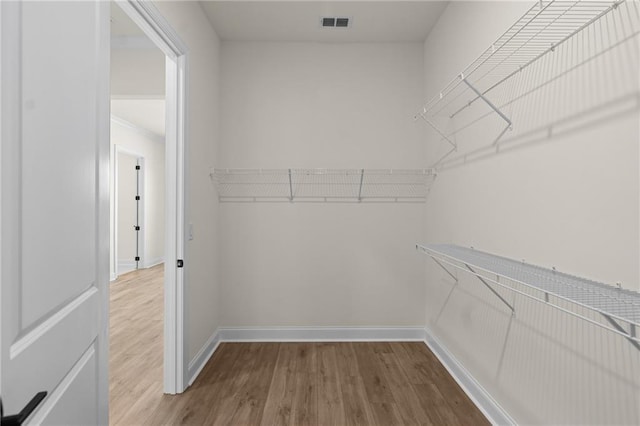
[(274, 383), (135, 344)]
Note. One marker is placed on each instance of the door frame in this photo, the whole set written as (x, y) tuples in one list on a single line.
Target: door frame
[(156, 27), (142, 243)]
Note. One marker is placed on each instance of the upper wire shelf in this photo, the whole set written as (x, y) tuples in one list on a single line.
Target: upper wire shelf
[(544, 27), (323, 185), (573, 295)]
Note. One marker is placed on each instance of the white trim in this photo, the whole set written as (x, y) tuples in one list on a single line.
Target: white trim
[(153, 24), (321, 334), (139, 130), (480, 397), (300, 334), (124, 266), (153, 262), (104, 213), (112, 277), (202, 357)]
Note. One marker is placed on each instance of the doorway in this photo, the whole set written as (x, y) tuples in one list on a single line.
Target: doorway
[(144, 28), (128, 188)]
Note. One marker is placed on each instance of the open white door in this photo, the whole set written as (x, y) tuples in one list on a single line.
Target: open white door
[(54, 214)]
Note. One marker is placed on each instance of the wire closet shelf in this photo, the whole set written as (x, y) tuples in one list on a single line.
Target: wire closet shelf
[(323, 185), (545, 26), (579, 297)]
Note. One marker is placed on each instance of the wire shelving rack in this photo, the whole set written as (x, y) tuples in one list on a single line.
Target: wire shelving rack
[(539, 32), (619, 309), (323, 185)]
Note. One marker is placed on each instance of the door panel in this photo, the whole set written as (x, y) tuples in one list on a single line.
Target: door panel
[(58, 156), (76, 389), (54, 208)]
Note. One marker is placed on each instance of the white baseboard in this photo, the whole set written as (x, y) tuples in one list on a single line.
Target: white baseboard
[(113, 277), (480, 397), (152, 262), (299, 334), (321, 334), (202, 357), (125, 266)]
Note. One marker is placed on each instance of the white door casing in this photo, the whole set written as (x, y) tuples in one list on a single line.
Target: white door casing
[(153, 24), (54, 213)]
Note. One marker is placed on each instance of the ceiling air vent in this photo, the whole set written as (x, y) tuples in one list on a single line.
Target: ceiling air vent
[(330, 22)]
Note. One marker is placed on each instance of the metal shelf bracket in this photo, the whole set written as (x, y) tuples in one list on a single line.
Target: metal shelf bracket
[(440, 132), (360, 189), (566, 293), (509, 125), (631, 333), (513, 311), (474, 273)]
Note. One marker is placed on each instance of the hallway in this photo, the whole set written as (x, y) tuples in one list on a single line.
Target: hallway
[(135, 347)]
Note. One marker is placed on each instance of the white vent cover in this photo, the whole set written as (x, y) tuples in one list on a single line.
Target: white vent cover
[(335, 22)]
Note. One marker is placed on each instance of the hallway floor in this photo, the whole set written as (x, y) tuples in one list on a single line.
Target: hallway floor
[(135, 344)]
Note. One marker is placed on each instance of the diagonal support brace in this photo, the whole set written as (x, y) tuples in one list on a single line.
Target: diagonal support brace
[(493, 107), (513, 311), (290, 187), (361, 180), (618, 327), (445, 269), (440, 132)]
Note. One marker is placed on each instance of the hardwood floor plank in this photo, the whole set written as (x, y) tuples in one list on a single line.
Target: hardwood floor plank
[(370, 368), (357, 408), (386, 414), (330, 404), (253, 394), (278, 407), (410, 407)]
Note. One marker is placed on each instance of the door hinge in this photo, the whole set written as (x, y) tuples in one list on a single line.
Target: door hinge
[(137, 228), (137, 167), (137, 258), (137, 198), (180, 263)]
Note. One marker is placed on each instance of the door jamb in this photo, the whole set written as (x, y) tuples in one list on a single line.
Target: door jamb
[(156, 27), (142, 245)]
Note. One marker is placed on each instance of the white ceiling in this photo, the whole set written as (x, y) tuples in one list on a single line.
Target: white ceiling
[(371, 21), (146, 114)]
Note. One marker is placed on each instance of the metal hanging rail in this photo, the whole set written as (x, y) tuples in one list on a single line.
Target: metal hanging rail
[(545, 26), (323, 185), (620, 308)]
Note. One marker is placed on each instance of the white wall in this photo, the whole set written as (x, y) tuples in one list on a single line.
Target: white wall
[(152, 149), (569, 200), (316, 105), (137, 72), (203, 98)]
